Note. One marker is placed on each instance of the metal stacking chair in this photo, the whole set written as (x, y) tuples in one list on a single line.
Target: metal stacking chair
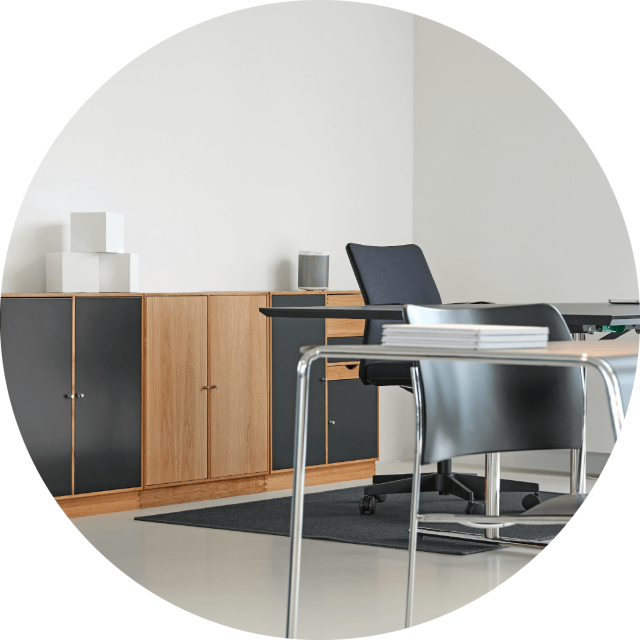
[(465, 408)]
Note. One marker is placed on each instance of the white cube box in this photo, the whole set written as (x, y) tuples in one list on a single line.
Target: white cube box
[(119, 272), (73, 272), (98, 232)]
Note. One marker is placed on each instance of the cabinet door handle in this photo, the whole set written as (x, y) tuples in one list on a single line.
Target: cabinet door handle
[(207, 388), (215, 386), (79, 395), (69, 395), (324, 379), (332, 421)]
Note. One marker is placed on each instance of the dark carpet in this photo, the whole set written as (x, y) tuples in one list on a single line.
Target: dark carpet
[(334, 515)]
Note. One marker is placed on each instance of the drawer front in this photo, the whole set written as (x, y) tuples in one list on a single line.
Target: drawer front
[(345, 371), (338, 327)]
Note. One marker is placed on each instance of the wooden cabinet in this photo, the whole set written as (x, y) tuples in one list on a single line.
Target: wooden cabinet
[(73, 369), (207, 387)]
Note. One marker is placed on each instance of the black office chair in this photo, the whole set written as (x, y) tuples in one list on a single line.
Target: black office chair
[(401, 275)]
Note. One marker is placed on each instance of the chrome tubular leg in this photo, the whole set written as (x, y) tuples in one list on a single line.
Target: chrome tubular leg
[(297, 502), (615, 397), (492, 490), (415, 493), (578, 475)]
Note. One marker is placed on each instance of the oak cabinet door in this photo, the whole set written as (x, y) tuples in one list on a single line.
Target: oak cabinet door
[(176, 381), (238, 375), (37, 357)]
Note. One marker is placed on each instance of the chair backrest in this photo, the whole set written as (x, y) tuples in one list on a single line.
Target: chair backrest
[(485, 408), (391, 275)]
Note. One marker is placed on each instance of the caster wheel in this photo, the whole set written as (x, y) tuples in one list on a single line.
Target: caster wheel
[(475, 509), (368, 505), (381, 498), (530, 501)]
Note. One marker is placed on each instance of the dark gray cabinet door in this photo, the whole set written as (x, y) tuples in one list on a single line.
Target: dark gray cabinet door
[(108, 369), (353, 407), (287, 336), (36, 351)]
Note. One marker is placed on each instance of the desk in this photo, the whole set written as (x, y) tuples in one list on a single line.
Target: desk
[(614, 362), (581, 317)]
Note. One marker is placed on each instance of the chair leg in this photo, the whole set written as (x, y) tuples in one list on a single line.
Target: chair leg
[(578, 478), (492, 491), (455, 488), (428, 482), (415, 495)]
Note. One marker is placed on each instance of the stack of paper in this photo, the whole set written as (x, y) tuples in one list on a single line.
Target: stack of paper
[(465, 336)]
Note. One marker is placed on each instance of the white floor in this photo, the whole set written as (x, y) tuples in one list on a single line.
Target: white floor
[(240, 579)]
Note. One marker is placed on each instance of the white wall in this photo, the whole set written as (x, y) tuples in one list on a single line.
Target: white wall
[(308, 125), (510, 205), (234, 144)]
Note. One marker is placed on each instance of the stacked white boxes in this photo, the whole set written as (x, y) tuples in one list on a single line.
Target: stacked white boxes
[(96, 262)]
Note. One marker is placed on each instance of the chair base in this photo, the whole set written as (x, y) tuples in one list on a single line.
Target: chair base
[(467, 486)]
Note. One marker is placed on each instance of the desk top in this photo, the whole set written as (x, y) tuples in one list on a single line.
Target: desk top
[(604, 349), (576, 314)]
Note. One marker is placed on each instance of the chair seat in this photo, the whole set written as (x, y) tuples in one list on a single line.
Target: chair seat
[(383, 373), (560, 506)]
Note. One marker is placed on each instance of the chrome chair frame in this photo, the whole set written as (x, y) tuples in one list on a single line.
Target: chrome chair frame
[(492, 479)]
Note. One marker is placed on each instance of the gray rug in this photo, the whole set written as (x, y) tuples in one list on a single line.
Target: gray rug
[(334, 515)]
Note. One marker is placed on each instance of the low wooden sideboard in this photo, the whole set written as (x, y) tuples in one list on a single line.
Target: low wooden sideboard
[(149, 399)]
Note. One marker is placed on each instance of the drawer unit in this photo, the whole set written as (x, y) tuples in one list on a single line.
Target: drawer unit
[(336, 394)]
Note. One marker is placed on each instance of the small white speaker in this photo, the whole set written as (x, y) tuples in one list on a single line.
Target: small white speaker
[(313, 270)]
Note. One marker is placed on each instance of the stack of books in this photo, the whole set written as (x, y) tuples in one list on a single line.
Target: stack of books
[(464, 336)]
